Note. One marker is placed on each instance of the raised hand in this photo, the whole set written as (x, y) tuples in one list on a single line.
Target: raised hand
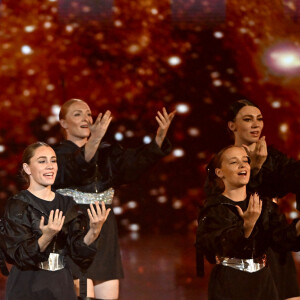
[(164, 121), (97, 218), (55, 224), (258, 155), (99, 128), (252, 213)]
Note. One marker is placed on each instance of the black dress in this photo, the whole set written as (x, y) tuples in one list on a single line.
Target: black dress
[(21, 222), (110, 167), (220, 233), (279, 176)]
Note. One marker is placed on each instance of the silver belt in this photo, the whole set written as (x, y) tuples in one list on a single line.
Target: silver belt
[(55, 262), (250, 265), (88, 198)]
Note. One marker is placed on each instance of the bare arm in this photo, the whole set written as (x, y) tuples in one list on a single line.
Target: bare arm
[(98, 130)]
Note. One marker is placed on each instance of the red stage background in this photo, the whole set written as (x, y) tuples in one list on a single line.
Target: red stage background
[(134, 57)]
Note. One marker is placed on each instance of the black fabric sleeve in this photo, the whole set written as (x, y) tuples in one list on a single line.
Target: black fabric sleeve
[(81, 253), (278, 176), (221, 233), (128, 165), (21, 241), (72, 167), (283, 235)]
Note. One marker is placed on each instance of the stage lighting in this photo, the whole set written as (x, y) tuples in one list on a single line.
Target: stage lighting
[(283, 59)]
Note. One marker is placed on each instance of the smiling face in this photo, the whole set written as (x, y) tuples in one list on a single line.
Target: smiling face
[(42, 168), (247, 126), (235, 168), (76, 121)]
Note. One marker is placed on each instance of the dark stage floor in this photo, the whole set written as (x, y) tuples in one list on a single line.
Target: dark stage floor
[(159, 267)]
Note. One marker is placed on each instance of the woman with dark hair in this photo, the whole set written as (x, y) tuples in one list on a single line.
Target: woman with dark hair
[(89, 170), (41, 227), (273, 175), (235, 230)]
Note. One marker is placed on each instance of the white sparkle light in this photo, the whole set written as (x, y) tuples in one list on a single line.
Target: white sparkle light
[(286, 59), (177, 204), (276, 104), (284, 128), (193, 131), (132, 204), (174, 60), (283, 59), (154, 11), (118, 23), (147, 139), (182, 108), (55, 109), (119, 136), (50, 87), (2, 148), (218, 34), (118, 210), (217, 82), (26, 49), (29, 28), (47, 25), (134, 227), (162, 199), (293, 215), (178, 152)]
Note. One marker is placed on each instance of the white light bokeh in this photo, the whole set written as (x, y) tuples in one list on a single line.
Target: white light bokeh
[(29, 28), (147, 139), (218, 34), (177, 204), (178, 152), (193, 131), (174, 60), (118, 210), (162, 199), (132, 204), (119, 136), (276, 104), (283, 59), (26, 50), (293, 214), (134, 227), (182, 108), (55, 109), (2, 148), (283, 127)]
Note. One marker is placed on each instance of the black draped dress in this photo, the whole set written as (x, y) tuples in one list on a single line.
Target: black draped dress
[(279, 176), (21, 222), (110, 167), (220, 233)]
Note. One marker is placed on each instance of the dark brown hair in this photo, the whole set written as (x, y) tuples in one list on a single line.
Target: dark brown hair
[(236, 106), (28, 153)]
